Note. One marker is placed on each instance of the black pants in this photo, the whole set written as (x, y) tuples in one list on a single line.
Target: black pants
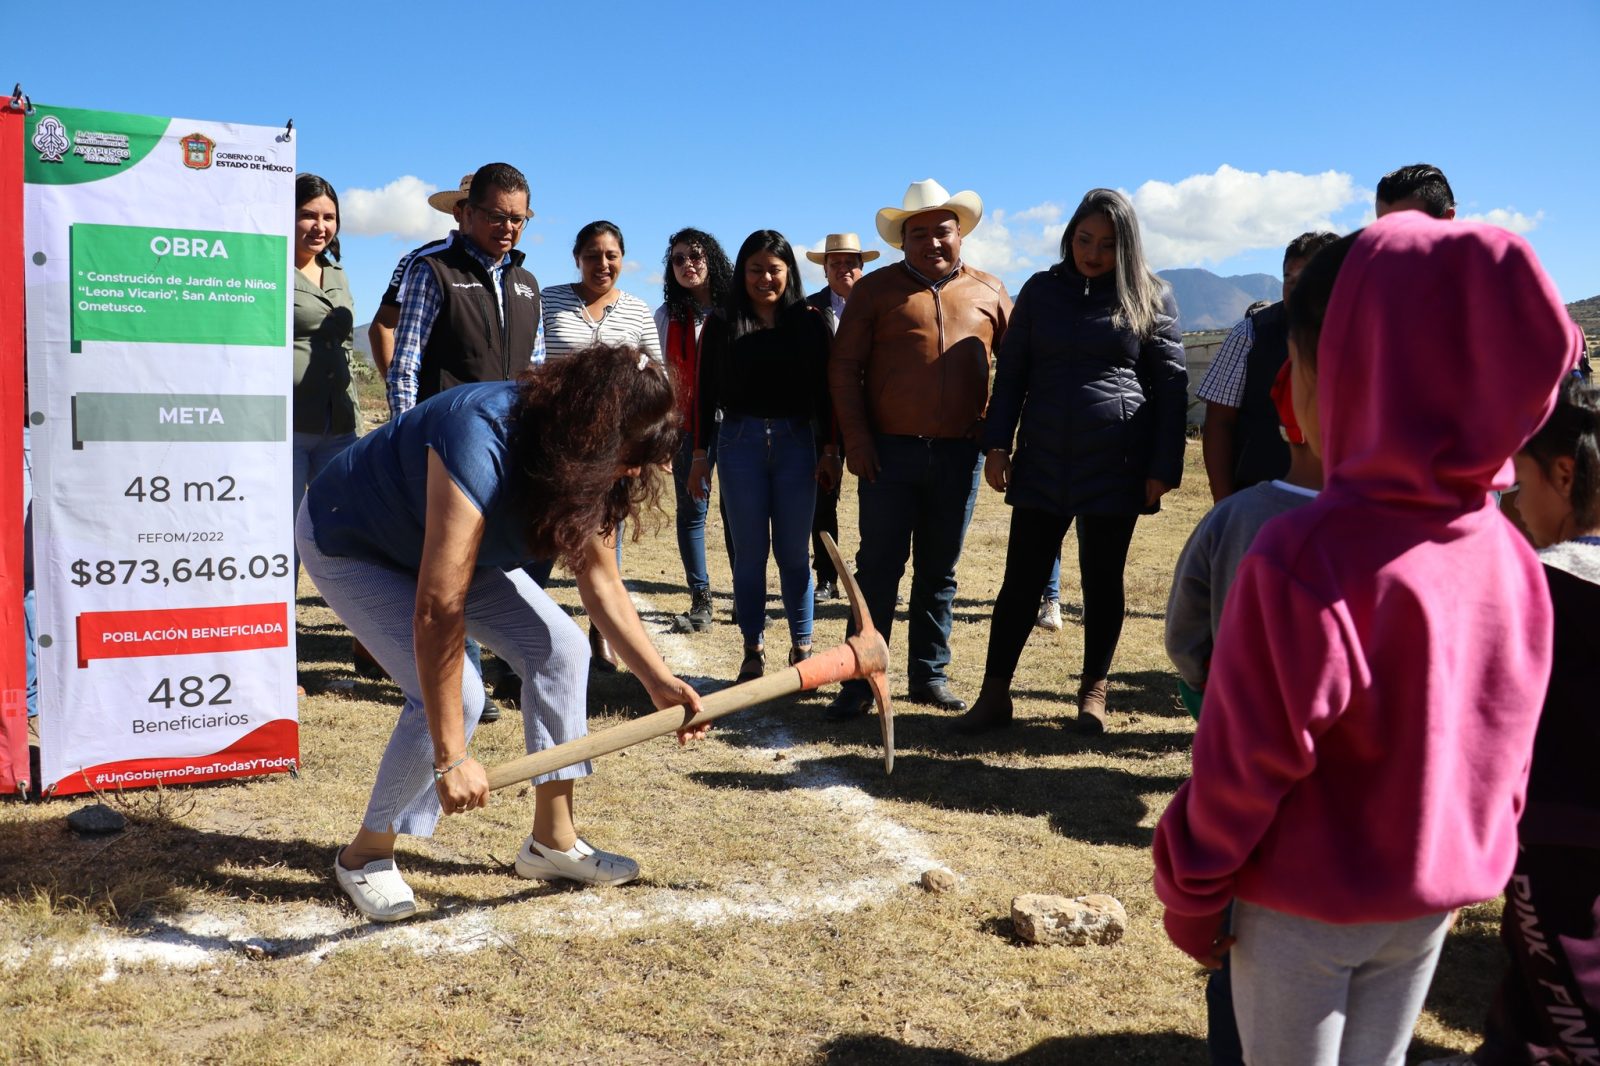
[(1102, 554), (825, 519), (1548, 1006)]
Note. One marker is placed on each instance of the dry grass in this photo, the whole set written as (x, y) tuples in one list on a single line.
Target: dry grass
[(777, 921)]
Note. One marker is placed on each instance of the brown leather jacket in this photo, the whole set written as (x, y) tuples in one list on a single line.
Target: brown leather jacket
[(913, 360)]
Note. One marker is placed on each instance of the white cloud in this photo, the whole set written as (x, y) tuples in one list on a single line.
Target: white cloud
[(630, 266), (1509, 218), (398, 209), (1206, 218), (1015, 244), (1203, 219)]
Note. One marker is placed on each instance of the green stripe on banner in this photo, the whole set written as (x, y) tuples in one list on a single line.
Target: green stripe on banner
[(127, 416), (69, 146), (145, 284)]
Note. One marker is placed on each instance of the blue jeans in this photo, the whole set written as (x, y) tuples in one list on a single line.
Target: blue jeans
[(1052, 588), (540, 570), (30, 617), (919, 508), (312, 452), (691, 517), (766, 469)]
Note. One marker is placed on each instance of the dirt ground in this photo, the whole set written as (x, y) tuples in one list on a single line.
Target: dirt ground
[(778, 918)]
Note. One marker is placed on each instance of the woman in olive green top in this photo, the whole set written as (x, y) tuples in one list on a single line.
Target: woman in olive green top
[(324, 394)]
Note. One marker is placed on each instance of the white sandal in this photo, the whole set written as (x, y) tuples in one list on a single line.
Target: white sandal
[(377, 889), (582, 863)]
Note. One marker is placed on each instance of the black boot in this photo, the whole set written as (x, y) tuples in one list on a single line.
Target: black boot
[(991, 710), (698, 617), (601, 657), (754, 665)]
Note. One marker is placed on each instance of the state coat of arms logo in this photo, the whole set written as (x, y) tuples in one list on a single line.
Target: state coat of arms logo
[(197, 149)]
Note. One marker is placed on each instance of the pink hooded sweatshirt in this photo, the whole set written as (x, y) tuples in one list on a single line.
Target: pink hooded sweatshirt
[(1384, 650)]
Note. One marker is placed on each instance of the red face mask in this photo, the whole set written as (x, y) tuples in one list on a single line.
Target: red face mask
[(1284, 402)]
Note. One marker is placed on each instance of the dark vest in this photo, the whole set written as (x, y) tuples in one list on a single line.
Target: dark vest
[(1260, 452), (467, 342)]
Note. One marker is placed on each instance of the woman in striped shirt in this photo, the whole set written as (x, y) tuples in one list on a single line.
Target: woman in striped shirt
[(592, 310)]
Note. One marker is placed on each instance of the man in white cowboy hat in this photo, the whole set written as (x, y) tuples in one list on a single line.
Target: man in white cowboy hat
[(380, 334), (909, 375), (841, 260)]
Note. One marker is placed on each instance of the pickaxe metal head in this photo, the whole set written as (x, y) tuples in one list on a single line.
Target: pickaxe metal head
[(874, 670)]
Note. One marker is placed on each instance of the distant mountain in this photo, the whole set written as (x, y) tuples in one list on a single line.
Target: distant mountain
[(1209, 301), (359, 341), (1586, 313)]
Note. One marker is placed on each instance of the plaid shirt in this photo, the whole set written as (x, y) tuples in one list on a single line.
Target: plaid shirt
[(420, 301), (1224, 381)]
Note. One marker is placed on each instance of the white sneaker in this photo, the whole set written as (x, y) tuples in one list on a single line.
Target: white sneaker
[(377, 889), (582, 863), (1049, 615)]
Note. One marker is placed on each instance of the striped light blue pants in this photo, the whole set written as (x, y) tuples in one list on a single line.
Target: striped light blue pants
[(507, 611)]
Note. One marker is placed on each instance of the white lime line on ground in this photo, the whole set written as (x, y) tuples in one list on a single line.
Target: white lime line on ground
[(199, 940)]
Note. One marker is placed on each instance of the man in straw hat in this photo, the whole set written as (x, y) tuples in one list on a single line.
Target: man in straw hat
[(841, 260), (468, 310), (910, 380), (475, 290), (380, 334)]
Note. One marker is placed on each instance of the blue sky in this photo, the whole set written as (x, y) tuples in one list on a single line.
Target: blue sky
[(1234, 126)]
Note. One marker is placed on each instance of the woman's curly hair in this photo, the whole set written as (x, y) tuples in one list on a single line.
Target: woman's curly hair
[(719, 272), (577, 421)]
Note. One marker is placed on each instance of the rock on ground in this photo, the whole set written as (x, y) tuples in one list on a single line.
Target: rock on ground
[(1092, 919), (96, 818), (938, 879)]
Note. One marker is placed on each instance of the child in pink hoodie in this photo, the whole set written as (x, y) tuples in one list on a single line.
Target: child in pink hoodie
[(1363, 755)]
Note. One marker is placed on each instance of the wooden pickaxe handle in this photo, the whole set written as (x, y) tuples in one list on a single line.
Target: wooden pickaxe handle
[(861, 656)]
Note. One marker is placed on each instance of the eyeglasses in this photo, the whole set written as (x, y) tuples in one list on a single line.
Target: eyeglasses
[(496, 218), (685, 258)]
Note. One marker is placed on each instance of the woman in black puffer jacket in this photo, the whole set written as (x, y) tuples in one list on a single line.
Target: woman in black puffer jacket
[(1092, 363)]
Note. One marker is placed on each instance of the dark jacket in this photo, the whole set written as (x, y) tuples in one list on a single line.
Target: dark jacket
[(1101, 411), (468, 342), (823, 301), (1259, 451), (1563, 792)]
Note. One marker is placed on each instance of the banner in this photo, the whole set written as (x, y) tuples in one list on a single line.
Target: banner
[(14, 774), (159, 301)]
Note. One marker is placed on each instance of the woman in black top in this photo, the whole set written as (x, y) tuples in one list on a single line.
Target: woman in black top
[(1092, 365), (764, 392)]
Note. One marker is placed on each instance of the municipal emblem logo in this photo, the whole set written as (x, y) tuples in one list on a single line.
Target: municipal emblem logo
[(197, 151), (50, 138)]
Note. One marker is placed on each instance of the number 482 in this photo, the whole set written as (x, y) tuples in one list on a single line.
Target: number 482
[(191, 691)]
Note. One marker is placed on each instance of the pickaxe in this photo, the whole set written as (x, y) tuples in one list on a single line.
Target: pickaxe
[(864, 656)]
